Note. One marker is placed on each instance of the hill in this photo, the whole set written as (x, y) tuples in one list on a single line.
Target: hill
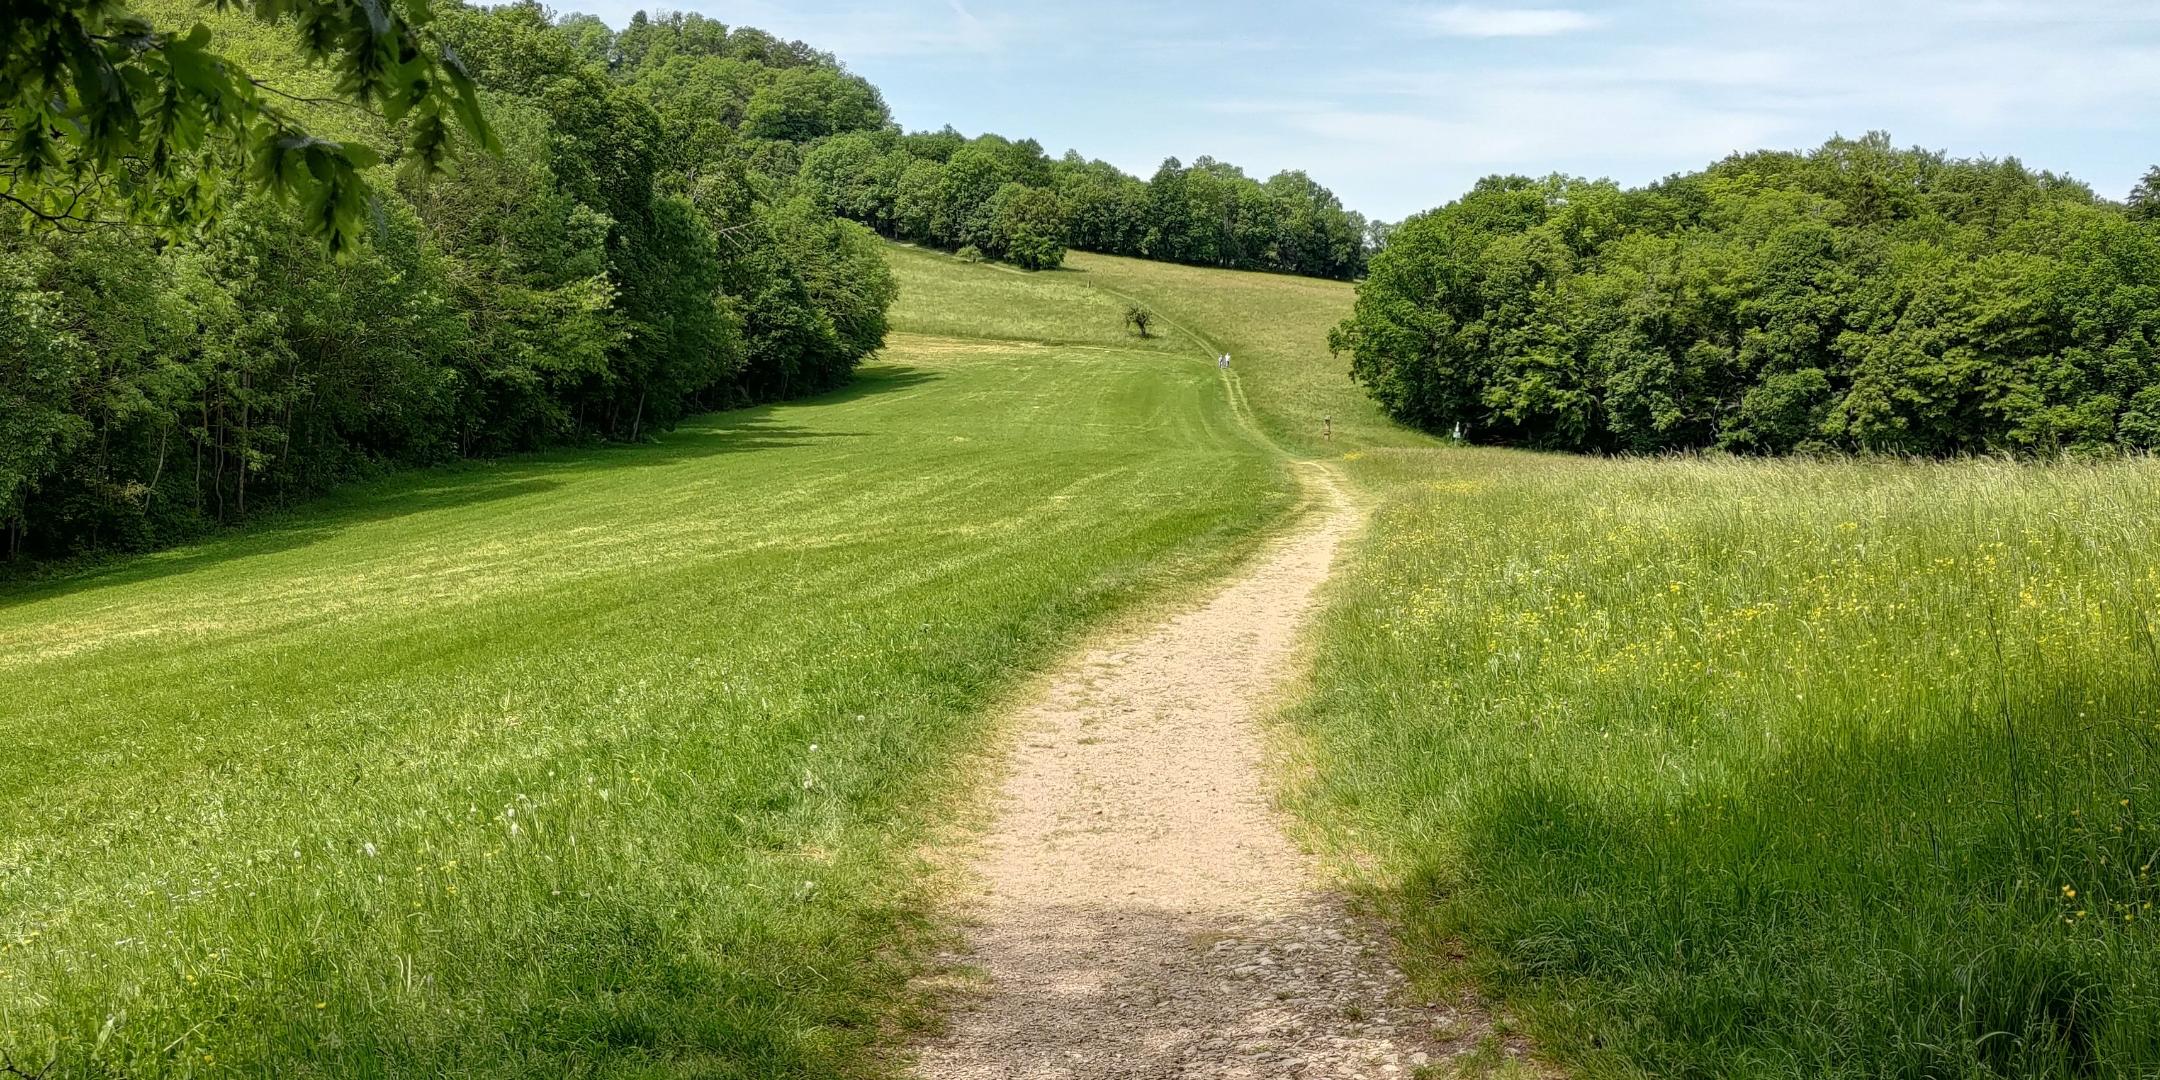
[(611, 762), (1698, 766)]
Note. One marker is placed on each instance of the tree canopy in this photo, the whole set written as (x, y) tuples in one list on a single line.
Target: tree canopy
[(1856, 298), (946, 190), (106, 112)]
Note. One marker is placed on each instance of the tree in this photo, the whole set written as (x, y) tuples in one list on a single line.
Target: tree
[(618, 264), (918, 199), (101, 110), (1139, 318), (1027, 227), (964, 214), (808, 103), (855, 176), (2145, 197), (1858, 297)]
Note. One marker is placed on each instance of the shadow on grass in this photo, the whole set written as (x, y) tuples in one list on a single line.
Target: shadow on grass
[(1877, 905), (466, 484)]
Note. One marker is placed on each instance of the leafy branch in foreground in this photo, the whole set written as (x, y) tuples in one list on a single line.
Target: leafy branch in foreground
[(100, 112)]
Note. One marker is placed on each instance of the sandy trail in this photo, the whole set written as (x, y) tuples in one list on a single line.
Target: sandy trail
[(1143, 913)]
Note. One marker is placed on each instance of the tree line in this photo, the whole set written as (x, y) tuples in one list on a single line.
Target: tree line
[(1856, 298), (618, 264), (1008, 200)]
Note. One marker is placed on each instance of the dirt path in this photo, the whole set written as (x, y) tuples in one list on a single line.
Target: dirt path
[(1144, 914)]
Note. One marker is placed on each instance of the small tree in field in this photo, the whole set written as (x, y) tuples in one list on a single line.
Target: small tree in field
[(1139, 318)]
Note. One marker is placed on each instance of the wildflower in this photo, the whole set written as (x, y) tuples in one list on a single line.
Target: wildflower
[(2069, 893)]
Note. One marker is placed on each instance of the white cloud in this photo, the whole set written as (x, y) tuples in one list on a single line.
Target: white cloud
[(1515, 126), (1468, 20)]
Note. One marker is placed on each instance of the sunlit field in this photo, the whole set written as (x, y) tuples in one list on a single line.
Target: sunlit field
[(605, 763), (1731, 767), (1744, 768), (620, 762), (1276, 329)]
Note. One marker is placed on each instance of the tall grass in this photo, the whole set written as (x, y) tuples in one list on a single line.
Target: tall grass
[(609, 763), (1724, 768)]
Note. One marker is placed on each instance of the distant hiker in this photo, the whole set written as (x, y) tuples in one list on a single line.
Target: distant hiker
[(1223, 362), (1327, 424)]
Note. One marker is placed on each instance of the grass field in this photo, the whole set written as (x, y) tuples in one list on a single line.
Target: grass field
[(609, 763), (1723, 768), (1276, 329), (615, 762), (1763, 769)]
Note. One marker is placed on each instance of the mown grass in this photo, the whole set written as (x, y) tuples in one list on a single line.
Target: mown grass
[(1275, 327), (943, 295), (1764, 768), (607, 763)]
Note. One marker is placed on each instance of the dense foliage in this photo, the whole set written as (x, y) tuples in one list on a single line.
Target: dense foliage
[(1011, 201), (618, 265), (100, 110), (1858, 298)]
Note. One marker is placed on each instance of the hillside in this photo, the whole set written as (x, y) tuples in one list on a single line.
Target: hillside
[(1691, 766), (1821, 768), (611, 761)]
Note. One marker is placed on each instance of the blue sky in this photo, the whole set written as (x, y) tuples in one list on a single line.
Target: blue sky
[(1400, 106)]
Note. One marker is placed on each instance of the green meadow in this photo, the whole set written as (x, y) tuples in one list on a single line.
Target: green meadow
[(1712, 767), (1722, 767), (603, 763), (621, 762), (1728, 768)]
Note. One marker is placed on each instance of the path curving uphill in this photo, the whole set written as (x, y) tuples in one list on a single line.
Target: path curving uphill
[(1142, 913)]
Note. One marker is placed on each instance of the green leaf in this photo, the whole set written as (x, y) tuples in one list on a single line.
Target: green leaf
[(360, 155), (467, 103)]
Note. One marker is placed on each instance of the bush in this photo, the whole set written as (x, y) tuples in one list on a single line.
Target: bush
[(1139, 318), (969, 253)]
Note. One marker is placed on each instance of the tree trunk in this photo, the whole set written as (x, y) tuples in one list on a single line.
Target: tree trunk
[(150, 491), (217, 476), (199, 441)]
